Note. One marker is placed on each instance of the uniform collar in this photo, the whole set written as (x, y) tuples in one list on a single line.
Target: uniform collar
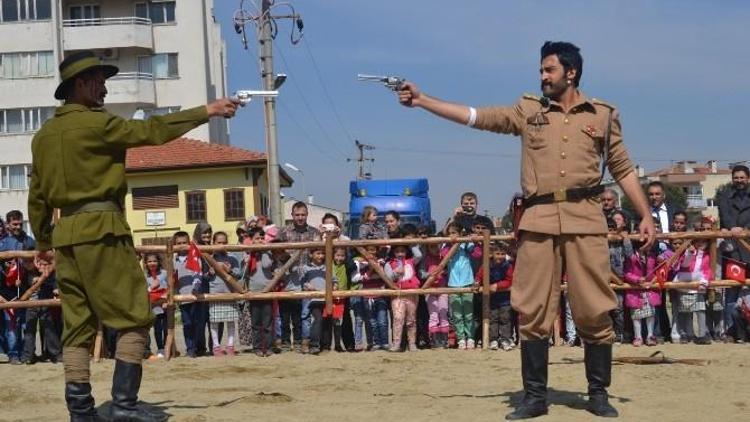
[(583, 102), (69, 108)]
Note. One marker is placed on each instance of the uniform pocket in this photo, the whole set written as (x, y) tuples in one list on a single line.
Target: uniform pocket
[(536, 140)]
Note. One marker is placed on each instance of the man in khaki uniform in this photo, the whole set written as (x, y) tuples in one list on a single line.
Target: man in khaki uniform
[(563, 134), (79, 168)]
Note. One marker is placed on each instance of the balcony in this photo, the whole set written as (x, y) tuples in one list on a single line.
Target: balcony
[(696, 201), (131, 88), (106, 33)]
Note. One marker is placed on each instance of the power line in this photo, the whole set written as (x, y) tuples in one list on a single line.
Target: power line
[(309, 109), (305, 134), (306, 42)]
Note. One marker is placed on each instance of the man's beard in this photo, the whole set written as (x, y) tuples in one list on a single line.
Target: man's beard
[(740, 186), (554, 90)]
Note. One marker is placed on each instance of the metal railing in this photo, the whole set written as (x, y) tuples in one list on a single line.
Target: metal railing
[(133, 75), (129, 20)]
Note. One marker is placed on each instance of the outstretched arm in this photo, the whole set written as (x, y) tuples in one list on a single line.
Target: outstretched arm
[(410, 96)]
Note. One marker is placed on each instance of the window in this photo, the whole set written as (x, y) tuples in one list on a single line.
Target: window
[(157, 11), (29, 64), (88, 11), (196, 206), (15, 177), (23, 10), (162, 65), (22, 120), (234, 204), (160, 111), (154, 197), (154, 241)]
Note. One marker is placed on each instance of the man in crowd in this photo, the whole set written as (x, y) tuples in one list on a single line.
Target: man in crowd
[(78, 167), (562, 135), (734, 217), (466, 215), (662, 214), (295, 316), (13, 321)]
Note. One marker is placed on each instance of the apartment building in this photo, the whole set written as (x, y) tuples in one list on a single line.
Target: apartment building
[(170, 54)]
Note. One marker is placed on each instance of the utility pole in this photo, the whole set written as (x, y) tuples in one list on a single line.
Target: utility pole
[(361, 160), (269, 108)]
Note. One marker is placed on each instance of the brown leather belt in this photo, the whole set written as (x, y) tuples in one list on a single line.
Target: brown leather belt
[(564, 195), (92, 206)]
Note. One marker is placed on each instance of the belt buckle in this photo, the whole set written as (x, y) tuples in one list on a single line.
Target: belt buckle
[(560, 195)]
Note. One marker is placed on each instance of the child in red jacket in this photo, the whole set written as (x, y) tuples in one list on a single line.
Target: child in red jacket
[(501, 278)]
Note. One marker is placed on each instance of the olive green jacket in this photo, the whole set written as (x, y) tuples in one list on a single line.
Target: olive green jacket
[(78, 156)]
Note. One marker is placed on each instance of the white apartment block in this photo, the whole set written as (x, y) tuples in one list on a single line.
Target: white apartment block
[(170, 54)]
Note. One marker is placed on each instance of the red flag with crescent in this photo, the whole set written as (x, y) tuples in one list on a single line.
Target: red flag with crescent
[(193, 262), (735, 270), (662, 273)]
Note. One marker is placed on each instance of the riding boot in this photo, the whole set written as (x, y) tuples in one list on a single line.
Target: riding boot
[(534, 359), (125, 385), (80, 402), (598, 360)]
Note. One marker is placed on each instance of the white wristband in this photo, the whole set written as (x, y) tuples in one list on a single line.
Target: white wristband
[(472, 117)]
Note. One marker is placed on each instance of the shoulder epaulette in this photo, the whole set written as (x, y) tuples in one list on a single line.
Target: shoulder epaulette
[(600, 102), (531, 97)]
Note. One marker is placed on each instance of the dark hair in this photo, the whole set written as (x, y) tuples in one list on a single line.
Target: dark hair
[(569, 56), (158, 258), (499, 246), (329, 215), (180, 234), (469, 195), (455, 226), (393, 214), (680, 212), (14, 215), (252, 231), (299, 204), (392, 251), (409, 229), (742, 168), (220, 233), (656, 183)]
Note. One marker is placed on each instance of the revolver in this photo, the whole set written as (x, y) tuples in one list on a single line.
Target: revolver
[(247, 96), (391, 82)]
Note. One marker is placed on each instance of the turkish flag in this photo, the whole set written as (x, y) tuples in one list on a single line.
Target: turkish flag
[(662, 273), (193, 262), (735, 270), (12, 275)]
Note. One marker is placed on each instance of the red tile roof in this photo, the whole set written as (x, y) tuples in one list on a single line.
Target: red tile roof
[(680, 169), (185, 153)]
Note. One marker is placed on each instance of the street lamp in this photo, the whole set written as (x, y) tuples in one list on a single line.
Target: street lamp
[(292, 167)]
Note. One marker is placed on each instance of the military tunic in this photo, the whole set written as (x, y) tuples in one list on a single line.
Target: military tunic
[(78, 158), (562, 150)]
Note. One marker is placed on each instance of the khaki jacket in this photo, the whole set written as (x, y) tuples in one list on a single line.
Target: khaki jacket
[(78, 156), (561, 151)]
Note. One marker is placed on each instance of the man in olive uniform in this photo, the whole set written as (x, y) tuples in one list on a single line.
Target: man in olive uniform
[(79, 168), (563, 135)]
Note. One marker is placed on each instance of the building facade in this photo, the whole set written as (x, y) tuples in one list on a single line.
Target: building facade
[(174, 186), (170, 54)]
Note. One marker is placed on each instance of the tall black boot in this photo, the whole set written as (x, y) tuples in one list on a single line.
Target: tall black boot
[(598, 359), (80, 402), (125, 385), (534, 359)]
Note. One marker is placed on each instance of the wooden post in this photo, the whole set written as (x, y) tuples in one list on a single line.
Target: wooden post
[(98, 343), (329, 275), (279, 274), (169, 346), (441, 266), (486, 291), (377, 268), (223, 274)]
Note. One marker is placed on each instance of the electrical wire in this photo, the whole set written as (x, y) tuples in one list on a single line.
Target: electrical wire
[(325, 90), (304, 133)]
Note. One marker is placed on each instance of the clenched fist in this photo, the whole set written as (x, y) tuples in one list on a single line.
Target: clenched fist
[(225, 107)]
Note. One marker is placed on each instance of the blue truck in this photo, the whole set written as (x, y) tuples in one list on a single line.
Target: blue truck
[(410, 197)]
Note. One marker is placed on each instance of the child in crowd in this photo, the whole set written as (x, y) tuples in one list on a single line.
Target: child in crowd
[(437, 305), (188, 282), (411, 231), (401, 269), (260, 269), (694, 265), (460, 275), (47, 318), (741, 315), (501, 278), (638, 270), (314, 279), (341, 269), (374, 310), (156, 282), (371, 228), (222, 312)]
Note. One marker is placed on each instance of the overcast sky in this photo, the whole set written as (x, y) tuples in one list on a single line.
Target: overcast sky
[(677, 70)]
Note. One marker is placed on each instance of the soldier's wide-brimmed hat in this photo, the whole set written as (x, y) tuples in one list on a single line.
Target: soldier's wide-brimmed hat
[(77, 63)]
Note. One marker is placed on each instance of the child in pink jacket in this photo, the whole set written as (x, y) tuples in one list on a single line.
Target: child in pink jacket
[(400, 268), (694, 265), (638, 270)]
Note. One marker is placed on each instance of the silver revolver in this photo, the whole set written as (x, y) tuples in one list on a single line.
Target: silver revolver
[(391, 82), (247, 96)]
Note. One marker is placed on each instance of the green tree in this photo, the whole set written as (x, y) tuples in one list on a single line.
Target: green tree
[(675, 198)]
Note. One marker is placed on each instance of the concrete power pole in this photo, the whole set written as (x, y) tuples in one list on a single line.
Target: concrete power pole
[(269, 108), (361, 160)]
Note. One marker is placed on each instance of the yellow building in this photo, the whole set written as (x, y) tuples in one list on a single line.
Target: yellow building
[(174, 186)]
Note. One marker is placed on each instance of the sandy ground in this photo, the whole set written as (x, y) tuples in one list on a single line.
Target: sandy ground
[(446, 385)]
